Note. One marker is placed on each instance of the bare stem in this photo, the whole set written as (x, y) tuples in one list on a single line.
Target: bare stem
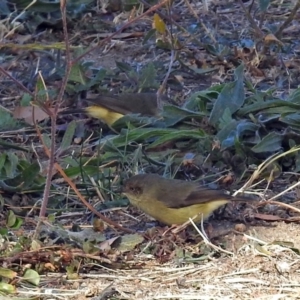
[(251, 20), (153, 8), (53, 114), (288, 20)]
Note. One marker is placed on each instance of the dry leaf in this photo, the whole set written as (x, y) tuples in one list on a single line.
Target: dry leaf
[(29, 113), (269, 38)]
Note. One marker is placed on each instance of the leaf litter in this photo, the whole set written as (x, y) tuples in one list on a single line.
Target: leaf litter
[(154, 263)]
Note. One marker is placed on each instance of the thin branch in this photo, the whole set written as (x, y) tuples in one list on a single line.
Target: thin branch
[(107, 39), (291, 17), (163, 85), (251, 20), (73, 186), (16, 81), (53, 114)]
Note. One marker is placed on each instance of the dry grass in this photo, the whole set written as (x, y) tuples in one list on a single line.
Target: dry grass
[(255, 271)]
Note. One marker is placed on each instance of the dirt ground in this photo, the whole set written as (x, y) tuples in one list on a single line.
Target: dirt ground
[(263, 263), (252, 272), (260, 263)]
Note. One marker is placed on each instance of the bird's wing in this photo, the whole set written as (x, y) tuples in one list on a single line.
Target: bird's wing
[(203, 195), (196, 196), (110, 103), (145, 103)]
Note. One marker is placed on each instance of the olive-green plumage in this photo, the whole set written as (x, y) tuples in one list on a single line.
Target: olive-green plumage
[(172, 201), (110, 108)]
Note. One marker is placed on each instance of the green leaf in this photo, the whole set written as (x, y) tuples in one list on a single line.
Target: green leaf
[(147, 77), (68, 136), (11, 164), (26, 176), (46, 140), (40, 89), (32, 277), (226, 118), (125, 67), (6, 145), (18, 224), (51, 218), (29, 174), (7, 273), (199, 99), (152, 136), (235, 130), (270, 143), (231, 97), (7, 122), (263, 5), (7, 288), (97, 79), (178, 135), (2, 160), (129, 241), (218, 49), (77, 74), (3, 231), (25, 101), (11, 219), (292, 120), (129, 5), (132, 121), (5, 11), (78, 171), (199, 71), (261, 106), (173, 115), (295, 96), (284, 110), (149, 35), (39, 6)]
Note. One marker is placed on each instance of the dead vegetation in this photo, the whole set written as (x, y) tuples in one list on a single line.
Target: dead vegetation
[(232, 73)]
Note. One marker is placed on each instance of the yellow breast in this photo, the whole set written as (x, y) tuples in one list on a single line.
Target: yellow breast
[(104, 114), (171, 216)]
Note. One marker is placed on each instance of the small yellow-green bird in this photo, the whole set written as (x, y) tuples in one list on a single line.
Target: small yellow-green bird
[(110, 108), (172, 201)]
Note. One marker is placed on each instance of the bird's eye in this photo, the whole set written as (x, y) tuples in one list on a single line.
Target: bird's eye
[(135, 190)]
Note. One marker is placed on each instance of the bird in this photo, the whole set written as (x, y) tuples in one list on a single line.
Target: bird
[(173, 201), (110, 108)]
